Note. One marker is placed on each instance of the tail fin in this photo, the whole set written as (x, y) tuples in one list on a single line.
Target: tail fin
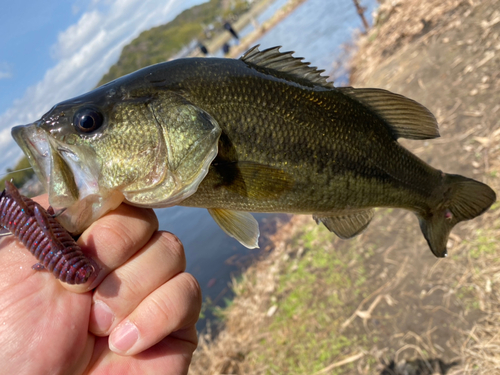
[(464, 199)]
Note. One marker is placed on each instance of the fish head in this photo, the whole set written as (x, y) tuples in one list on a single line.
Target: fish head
[(120, 142)]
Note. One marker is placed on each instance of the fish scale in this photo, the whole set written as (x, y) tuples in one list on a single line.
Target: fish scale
[(332, 158)]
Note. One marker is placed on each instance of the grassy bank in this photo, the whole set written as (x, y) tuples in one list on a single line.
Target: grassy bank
[(381, 303), (296, 299)]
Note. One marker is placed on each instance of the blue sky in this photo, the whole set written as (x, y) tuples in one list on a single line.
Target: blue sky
[(54, 50)]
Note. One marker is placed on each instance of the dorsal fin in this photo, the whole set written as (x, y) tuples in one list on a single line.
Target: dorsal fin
[(406, 118), (284, 62)]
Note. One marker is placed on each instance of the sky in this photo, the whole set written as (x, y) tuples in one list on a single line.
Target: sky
[(55, 50)]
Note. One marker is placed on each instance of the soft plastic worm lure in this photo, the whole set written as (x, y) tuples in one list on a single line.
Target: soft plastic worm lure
[(44, 237)]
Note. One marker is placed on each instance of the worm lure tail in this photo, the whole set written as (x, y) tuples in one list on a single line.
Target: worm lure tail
[(44, 237)]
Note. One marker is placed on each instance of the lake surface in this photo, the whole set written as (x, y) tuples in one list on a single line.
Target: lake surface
[(317, 31)]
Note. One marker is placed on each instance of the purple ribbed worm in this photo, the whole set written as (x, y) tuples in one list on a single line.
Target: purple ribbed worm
[(44, 237)]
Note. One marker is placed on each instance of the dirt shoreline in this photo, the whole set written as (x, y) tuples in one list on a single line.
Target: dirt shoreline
[(381, 303)]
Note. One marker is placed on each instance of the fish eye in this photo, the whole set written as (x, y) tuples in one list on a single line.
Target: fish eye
[(86, 120)]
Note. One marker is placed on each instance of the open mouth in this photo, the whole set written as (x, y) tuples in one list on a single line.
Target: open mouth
[(49, 161), (70, 175), (35, 146)]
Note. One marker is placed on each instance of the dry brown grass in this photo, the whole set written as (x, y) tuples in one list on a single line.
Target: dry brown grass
[(465, 94), (400, 22), (480, 349)]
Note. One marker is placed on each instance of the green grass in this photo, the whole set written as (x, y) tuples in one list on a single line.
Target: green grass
[(485, 242), (303, 335), (495, 206)]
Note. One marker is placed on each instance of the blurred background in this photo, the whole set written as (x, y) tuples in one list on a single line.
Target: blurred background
[(305, 302)]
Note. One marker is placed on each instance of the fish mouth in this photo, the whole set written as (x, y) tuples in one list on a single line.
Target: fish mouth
[(70, 175), (35, 145), (48, 161)]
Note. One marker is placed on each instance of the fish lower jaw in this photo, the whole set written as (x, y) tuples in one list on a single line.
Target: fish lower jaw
[(33, 142)]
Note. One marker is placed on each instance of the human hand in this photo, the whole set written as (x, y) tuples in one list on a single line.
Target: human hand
[(47, 328)]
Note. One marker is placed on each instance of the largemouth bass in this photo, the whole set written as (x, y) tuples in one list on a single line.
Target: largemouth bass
[(264, 133)]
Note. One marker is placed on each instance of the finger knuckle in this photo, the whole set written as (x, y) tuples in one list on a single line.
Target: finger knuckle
[(193, 289), (115, 238), (174, 239), (175, 248), (145, 215), (152, 219), (131, 287), (162, 308)]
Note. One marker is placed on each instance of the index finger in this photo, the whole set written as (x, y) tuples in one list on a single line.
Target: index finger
[(114, 238)]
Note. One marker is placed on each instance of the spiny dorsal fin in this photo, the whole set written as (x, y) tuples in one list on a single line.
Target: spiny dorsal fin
[(272, 58), (348, 224), (407, 118)]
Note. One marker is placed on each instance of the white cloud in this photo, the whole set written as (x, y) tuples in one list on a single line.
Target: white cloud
[(5, 70), (84, 52), (5, 74), (77, 35)]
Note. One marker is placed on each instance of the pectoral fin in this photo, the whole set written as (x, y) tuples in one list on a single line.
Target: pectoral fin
[(348, 224), (254, 180), (239, 225)]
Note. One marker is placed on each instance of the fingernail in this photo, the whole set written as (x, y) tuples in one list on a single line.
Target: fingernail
[(123, 337), (101, 318)]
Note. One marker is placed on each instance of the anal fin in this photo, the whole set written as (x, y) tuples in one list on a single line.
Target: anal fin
[(348, 223), (239, 225)]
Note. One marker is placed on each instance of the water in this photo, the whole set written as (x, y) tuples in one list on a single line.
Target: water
[(317, 30), (272, 8), (264, 16)]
